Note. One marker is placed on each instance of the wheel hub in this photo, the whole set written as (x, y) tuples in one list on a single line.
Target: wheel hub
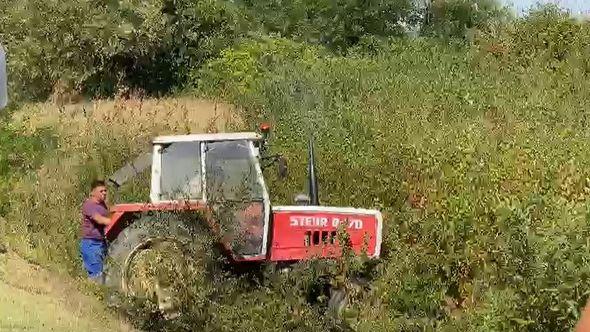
[(151, 272)]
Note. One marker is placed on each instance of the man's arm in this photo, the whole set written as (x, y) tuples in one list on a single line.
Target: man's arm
[(100, 219), (94, 212)]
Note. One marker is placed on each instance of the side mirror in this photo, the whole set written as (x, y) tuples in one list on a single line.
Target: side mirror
[(3, 79), (282, 167)]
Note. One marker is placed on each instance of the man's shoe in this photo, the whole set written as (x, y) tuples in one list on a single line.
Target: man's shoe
[(99, 279)]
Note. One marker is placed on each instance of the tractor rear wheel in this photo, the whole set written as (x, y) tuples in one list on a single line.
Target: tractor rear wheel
[(153, 259)]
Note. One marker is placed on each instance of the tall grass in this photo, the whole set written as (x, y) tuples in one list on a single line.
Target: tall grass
[(482, 175), (94, 140), (19, 153)]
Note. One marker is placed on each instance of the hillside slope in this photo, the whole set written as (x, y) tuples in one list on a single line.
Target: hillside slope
[(34, 299), (477, 154)]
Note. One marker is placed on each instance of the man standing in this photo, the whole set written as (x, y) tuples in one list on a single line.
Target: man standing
[(94, 219)]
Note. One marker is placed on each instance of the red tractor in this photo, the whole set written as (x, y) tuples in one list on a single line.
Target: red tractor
[(219, 177)]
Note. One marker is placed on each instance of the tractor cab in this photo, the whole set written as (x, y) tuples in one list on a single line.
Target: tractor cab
[(207, 168), (220, 173)]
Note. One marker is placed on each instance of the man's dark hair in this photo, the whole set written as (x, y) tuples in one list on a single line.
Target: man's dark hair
[(97, 183)]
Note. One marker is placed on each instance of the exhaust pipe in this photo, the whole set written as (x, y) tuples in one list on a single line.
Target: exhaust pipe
[(313, 183)]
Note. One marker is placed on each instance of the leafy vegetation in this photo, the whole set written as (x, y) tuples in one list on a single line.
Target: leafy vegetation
[(101, 48), (98, 47), (472, 140), (456, 18), (20, 152), (335, 24), (481, 173)]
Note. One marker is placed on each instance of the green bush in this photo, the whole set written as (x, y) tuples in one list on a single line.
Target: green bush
[(547, 37), (100, 47), (97, 47), (337, 25), (20, 152), (455, 18), (482, 177), (237, 68)]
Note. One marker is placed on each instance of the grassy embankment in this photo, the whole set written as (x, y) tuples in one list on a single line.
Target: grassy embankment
[(92, 140), (33, 299), (48, 157)]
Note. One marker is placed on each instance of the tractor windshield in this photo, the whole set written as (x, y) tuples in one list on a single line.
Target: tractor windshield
[(234, 189), (231, 172)]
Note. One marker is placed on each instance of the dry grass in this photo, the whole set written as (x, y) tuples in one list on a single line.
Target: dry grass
[(93, 139), (131, 117), (32, 298)]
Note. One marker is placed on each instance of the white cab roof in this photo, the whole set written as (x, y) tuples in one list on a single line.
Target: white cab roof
[(207, 137)]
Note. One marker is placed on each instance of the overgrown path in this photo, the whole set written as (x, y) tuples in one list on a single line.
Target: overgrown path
[(33, 299)]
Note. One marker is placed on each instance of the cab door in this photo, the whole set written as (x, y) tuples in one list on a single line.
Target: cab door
[(237, 195)]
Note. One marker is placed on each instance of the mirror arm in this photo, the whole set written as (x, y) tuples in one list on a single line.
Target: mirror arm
[(270, 160)]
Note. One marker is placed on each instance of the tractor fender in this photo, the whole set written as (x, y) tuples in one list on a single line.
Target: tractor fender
[(122, 215)]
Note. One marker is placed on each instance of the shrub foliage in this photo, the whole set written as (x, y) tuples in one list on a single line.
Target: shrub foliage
[(482, 175)]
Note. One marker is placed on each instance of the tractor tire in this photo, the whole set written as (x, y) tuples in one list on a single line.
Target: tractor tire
[(338, 301), (340, 297), (145, 234)]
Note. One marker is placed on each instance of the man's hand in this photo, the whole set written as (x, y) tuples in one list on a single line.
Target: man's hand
[(101, 220), (583, 324)]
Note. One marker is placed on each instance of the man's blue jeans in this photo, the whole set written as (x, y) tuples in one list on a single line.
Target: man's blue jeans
[(93, 254)]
